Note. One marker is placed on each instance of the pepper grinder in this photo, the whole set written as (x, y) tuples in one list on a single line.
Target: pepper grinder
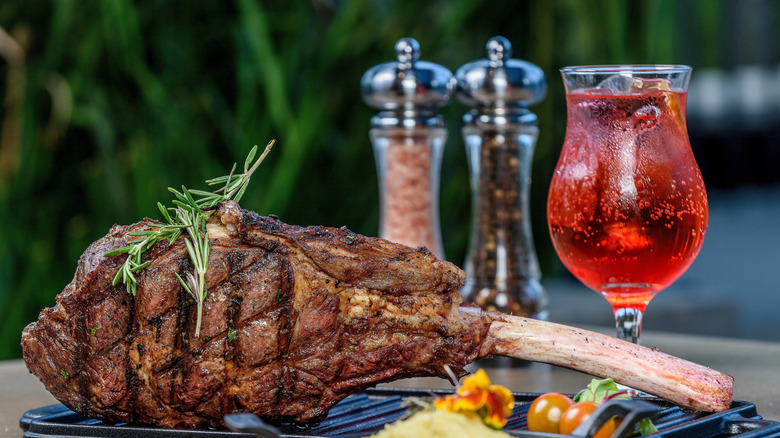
[(500, 134), (408, 140)]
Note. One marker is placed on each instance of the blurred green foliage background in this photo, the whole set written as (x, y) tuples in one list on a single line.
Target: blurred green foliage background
[(108, 103)]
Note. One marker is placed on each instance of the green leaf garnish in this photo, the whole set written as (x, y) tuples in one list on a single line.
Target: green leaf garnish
[(599, 391), (646, 427)]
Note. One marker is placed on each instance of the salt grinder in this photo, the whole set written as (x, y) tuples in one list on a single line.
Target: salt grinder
[(408, 140), (500, 134)]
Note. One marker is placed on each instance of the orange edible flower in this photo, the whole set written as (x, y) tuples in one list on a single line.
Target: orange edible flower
[(492, 403)]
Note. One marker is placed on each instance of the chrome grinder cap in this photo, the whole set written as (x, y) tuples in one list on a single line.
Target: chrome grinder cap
[(499, 80), (407, 84)]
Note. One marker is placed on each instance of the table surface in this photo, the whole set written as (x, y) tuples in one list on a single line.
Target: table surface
[(754, 365)]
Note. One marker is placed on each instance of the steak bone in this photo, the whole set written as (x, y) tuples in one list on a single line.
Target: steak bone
[(685, 383)]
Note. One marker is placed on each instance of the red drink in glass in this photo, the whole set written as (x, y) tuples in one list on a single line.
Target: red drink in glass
[(627, 207)]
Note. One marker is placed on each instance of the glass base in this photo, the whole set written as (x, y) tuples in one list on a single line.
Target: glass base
[(628, 301), (628, 322)]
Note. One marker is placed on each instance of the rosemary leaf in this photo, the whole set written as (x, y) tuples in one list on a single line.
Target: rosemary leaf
[(249, 159), (141, 266), (142, 233), (119, 274), (164, 211), (122, 250)]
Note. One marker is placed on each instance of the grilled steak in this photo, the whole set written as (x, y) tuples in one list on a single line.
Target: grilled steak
[(295, 320)]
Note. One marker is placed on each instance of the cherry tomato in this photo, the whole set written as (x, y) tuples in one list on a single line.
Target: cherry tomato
[(578, 413), (608, 429), (545, 412)]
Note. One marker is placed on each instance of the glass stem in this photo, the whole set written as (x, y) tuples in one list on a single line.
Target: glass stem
[(628, 322)]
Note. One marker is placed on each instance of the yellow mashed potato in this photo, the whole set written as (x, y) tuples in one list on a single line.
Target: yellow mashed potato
[(439, 424)]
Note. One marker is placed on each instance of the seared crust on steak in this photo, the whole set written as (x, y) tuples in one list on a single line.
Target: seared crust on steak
[(295, 320)]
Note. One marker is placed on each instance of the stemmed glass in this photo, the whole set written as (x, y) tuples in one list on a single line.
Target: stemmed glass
[(627, 208)]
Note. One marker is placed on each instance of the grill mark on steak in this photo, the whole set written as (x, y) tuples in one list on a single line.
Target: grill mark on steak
[(81, 353), (192, 380), (234, 264)]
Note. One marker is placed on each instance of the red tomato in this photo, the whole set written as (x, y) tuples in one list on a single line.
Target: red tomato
[(545, 412), (578, 413), (608, 429)]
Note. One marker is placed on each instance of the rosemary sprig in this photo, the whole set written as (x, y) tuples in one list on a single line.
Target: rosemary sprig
[(192, 209)]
